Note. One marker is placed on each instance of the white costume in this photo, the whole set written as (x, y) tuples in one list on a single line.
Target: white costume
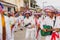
[(21, 19), (16, 23), (12, 21), (29, 30), (47, 21), (8, 30)]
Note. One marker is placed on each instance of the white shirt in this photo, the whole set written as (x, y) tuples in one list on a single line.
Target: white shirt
[(29, 20), (32, 16), (12, 20), (57, 22), (21, 18), (47, 21)]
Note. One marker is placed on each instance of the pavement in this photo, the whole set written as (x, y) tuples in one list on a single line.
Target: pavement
[(20, 35)]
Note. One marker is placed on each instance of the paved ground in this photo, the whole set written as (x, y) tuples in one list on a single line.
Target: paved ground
[(20, 35)]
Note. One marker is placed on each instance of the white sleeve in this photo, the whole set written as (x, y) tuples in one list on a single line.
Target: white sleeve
[(56, 23), (24, 22), (42, 23)]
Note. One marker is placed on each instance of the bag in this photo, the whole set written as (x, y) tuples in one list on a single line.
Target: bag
[(46, 33)]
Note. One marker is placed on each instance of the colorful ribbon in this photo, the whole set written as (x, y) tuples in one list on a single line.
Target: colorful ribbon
[(54, 36), (37, 23)]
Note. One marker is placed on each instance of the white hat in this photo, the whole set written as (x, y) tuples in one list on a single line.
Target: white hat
[(27, 12), (37, 14), (49, 9)]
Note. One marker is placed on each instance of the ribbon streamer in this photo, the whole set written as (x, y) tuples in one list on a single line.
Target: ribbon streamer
[(54, 36)]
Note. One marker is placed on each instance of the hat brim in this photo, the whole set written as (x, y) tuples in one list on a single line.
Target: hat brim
[(27, 13)]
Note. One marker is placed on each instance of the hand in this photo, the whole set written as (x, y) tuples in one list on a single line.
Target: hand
[(57, 29), (18, 24), (38, 26), (44, 30)]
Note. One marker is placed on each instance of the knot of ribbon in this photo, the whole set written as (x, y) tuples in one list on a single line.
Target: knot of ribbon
[(54, 36)]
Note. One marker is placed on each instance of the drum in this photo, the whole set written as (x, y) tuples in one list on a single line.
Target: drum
[(48, 32)]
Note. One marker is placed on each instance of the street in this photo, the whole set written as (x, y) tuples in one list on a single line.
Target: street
[(20, 35), (36, 17)]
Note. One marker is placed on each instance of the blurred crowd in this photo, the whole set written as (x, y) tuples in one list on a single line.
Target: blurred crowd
[(44, 25)]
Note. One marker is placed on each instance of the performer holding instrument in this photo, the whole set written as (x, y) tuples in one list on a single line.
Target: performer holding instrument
[(47, 24), (56, 32)]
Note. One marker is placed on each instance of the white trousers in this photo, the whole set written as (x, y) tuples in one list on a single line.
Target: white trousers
[(12, 36), (30, 33), (12, 33), (48, 37), (16, 26), (0, 36)]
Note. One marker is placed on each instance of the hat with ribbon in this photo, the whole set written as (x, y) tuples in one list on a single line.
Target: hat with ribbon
[(27, 12), (39, 14), (49, 9)]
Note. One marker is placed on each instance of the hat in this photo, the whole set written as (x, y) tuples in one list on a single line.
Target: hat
[(39, 14), (1, 5), (49, 9), (27, 12)]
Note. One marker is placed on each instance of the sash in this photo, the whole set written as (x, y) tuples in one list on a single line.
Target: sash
[(37, 23), (3, 27)]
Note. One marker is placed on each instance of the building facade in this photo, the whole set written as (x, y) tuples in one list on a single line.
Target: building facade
[(12, 5), (31, 4)]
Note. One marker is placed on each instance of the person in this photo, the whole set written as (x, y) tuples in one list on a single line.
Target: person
[(5, 31), (12, 24), (37, 19), (48, 20), (16, 24), (21, 19), (29, 24), (56, 27)]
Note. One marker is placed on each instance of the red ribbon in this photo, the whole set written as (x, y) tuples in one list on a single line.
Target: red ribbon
[(54, 36), (37, 33)]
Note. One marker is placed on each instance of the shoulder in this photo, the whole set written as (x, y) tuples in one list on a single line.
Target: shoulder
[(46, 18)]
